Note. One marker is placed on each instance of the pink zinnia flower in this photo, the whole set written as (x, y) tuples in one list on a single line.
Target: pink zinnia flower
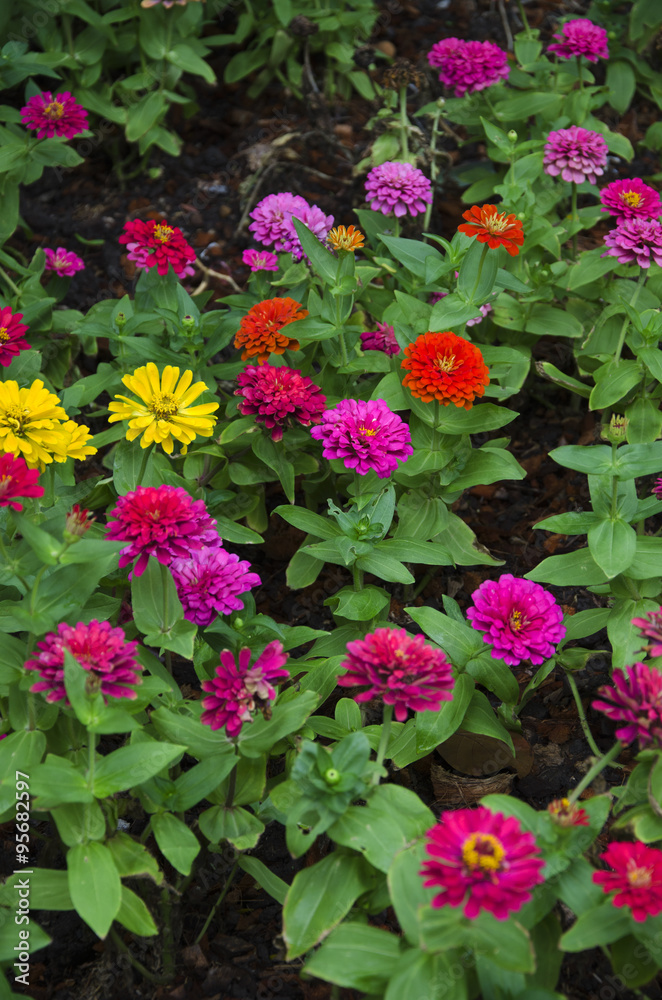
[(11, 336), (520, 618), (63, 262), (657, 488), (381, 339), (156, 244), (239, 689), (481, 859), (636, 699), (435, 297), (99, 648), (581, 38), (59, 115), (627, 199), (485, 310), (17, 480), (576, 154), (636, 879), (209, 581), (272, 221), (398, 188), (651, 627), (399, 668), (564, 814), (635, 241), (365, 435), (279, 397), (162, 521), (468, 66), (260, 260)]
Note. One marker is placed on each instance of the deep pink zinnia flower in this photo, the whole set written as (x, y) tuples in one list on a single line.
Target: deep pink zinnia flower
[(156, 244), (651, 627), (627, 199), (279, 397), (17, 480), (64, 262), (576, 154), (466, 67), (635, 241), (162, 521), (398, 188), (11, 336), (381, 339), (581, 38), (636, 699), (209, 581), (238, 689), (260, 260), (365, 435), (272, 221), (636, 879), (59, 115), (520, 618), (481, 859), (399, 668), (99, 648), (435, 297)]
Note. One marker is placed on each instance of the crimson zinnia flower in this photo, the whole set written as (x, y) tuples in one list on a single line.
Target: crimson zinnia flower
[(468, 66), (520, 618), (17, 480), (381, 339), (636, 699), (575, 153), (635, 241), (636, 879), (64, 262), (481, 859), (651, 627), (99, 648), (398, 188), (365, 435), (209, 581), (259, 332), (581, 38), (497, 229), (156, 244), (565, 814), (59, 115), (399, 668), (445, 367), (279, 397), (238, 689), (11, 336), (627, 199)]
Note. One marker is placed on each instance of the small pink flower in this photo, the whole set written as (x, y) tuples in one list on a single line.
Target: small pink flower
[(483, 860), (581, 38), (17, 480), (382, 339), (365, 435), (485, 310), (635, 241), (279, 397), (59, 115), (156, 244), (636, 879), (272, 222), (435, 297), (11, 336), (635, 699), (209, 581), (651, 627), (238, 690), (576, 154), (260, 260), (627, 199), (520, 618), (398, 188), (63, 262), (467, 67)]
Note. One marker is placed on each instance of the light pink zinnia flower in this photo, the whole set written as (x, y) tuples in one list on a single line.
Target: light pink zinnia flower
[(209, 581), (279, 397), (481, 859), (635, 241), (17, 480), (99, 648), (272, 221), (636, 879), (581, 38), (630, 198), (63, 262), (260, 260), (398, 188), (238, 689), (11, 336), (466, 67), (381, 339), (365, 435), (399, 668), (576, 154), (651, 627), (520, 618), (59, 115), (636, 699)]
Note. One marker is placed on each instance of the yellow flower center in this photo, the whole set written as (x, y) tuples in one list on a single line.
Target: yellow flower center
[(4, 336), (367, 431), (14, 417), (164, 405), (631, 198), (639, 878), (483, 851), (496, 223), (163, 232), (54, 110), (447, 363), (515, 620)]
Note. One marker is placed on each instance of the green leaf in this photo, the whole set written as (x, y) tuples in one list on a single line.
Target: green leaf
[(176, 842), (144, 115), (183, 56), (362, 605), (595, 460), (590, 267), (384, 566), (638, 460), (264, 877), (412, 254), (621, 83), (323, 261), (480, 718), (480, 418), (199, 740), (130, 766), (613, 382), (567, 569), (237, 825), (132, 858), (459, 641), (597, 927), (488, 465), (506, 942), (644, 421), (21, 751), (357, 956), (392, 817), (94, 885), (306, 520), (432, 728), (286, 718), (272, 454), (478, 272), (134, 915), (612, 543), (57, 781)]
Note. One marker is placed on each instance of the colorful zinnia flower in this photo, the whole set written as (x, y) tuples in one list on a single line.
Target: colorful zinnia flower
[(398, 188), (576, 154), (260, 260), (381, 339), (349, 239), (483, 860), (77, 522), (35, 426), (497, 229), (272, 221), (635, 241), (165, 414), (399, 668), (445, 367), (651, 627), (365, 435), (565, 814), (581, 38), (520, 618), (59, 115), (238, 689), (64, 262), (636, 878), (161, 521), (99, 648), (636, 700), (279, 398), (466, 67), (209, 581), (17, 480), (156, 244), (11, 336), (630, 198), (260, 333)]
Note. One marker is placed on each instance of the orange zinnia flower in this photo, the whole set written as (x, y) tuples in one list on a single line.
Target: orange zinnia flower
[(259, 332), (345, 239), (445, 367), (497, 229)]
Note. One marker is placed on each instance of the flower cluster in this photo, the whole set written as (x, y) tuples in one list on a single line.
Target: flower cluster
[(51, 116), (497, 229), (580, 38), (272, 222), (365, 435), (209, 581), (156, 244), (466, 67), (11, 336), (65, 263), (381, 339), (576, 154), (398, 188), (631, 199), (279, 397), (17, 480), (636, 879), (445, 367), (35, 426), (635, 241), (520, 618), (259, 332), (636, 700), (260, 260), (238, 689)]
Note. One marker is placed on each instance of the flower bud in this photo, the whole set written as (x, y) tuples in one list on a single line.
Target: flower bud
[(512, 135), (332, 776), (616, 429), (120, 321), (77, 523), (188, 325)]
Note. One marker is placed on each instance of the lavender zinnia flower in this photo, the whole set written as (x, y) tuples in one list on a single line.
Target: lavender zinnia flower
[(520, 618), (365, 435), (209, 581), (635, 699), (273, 221), (631, 198), (635, 241), (398, 188), (381, 339), (576, 154), (466, 67), (581, 38)]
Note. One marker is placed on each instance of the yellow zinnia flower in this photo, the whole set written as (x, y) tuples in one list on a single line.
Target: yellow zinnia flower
[(164, 414), (34, 425)]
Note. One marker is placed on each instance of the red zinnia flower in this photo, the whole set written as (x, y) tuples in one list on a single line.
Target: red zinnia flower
[(278, 397), (636, 879), (497, 229), (445, 367), (156, 244), (59, 115), (259, 331), (565, 814), (237, 690), (11, 336), (17, 480)]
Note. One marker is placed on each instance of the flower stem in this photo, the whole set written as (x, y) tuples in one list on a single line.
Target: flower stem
[(5, 277), (228, 883), (574, 217), (91, 759), (384, 738), (433, 166), (594, 771), (143, 464), (525, 22), (582, 715), (404, 124), (633, 301)]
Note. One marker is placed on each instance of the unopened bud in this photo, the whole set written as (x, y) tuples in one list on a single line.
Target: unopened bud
[(616, 429), (332, 776), (77, 523), (512, 135), (120, 321), (188, 324)]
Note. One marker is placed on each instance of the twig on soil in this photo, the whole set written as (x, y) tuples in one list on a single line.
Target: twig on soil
[(209, 273), (151, 977)]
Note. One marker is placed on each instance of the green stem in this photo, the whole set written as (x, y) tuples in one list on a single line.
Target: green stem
[(166, 613), (404, 124), (582, 715), (433, 167), (143, 464), (597, 769), (574, 217), (579, 72), (357, 576), (168, 944), (614, 485), (228, 883), (91, 758), (232, 785), (480, 270), (5, 277), (527, 29), (434, 446), (384, 738), (633, 301)]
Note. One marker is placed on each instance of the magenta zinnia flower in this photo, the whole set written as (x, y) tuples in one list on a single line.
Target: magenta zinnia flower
[(156, 244), (11, 336), (635, 241), (17, 480), (260, 260), (576, 154), (381, 339), (99, 648), (651, 627), (466, 67), (59, 115), (238, 689), (279, 397), (636, 879), (272, 221), (636, 699), (365, 435), (398, 188), (399, 668), (481, 859), (162, 521), (629, 199), (209, 581), (63, 262), (581, 38), (520, 618)]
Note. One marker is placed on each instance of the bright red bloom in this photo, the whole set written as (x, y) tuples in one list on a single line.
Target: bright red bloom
[(279, 397), (497, 229), (565, 814), (483, 860), (445, 367), (238, 689), (156, 244), (636, 699), (59, 115), (17, 480), (259, 332), (11, 336), (636, 879)]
